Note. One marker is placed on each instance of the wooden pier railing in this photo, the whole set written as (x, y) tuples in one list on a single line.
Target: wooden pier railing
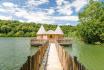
[(37, 42), (34, 62), (39, 60), (68, 62), (65, 59), (77, 65)]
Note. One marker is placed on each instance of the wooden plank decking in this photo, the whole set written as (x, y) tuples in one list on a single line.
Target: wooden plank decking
[(53, 59)]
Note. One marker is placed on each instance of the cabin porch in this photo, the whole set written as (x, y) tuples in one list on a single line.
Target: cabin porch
[(62, 42)]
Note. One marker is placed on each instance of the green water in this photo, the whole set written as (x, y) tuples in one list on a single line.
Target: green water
[(91, 56), (14, 52)]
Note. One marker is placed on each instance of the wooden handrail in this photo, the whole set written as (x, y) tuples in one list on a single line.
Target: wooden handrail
[(65, 59), (34, 62), (68, 63)]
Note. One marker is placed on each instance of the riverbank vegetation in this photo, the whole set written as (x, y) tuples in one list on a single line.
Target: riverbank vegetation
[(91, 27)]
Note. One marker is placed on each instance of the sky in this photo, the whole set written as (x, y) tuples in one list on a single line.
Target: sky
[(61, 12)]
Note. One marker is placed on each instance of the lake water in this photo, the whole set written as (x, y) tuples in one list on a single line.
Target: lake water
[(14, 52)]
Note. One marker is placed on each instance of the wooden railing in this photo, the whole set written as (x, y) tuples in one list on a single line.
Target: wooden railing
[(77, 65), (64, 41), (67, 62), (65, 59), (38, 42), (34, 62), (45, 60)]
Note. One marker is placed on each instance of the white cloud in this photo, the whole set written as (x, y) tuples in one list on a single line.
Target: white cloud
[(8, 7), (67, 18), (41, 16), (38, 17), (2, 10), (65, 7), (50, 11), (78, 4), (8, 4), (59, 2), (5, 17), (36, 2)]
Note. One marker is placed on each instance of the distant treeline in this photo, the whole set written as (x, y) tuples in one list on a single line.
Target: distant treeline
[(21, 29)]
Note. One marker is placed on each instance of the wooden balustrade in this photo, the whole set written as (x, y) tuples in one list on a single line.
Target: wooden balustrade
[(77, 65), (34, 62), (68, 63), (40, 42), (65, 59)]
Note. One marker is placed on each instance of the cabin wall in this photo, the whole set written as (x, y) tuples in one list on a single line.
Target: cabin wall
[(57, 37), (42, 37), (45, 37), (50, 37), (39, 37)]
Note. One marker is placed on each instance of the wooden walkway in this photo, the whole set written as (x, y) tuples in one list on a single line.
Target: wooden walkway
[(53, 59), (52, 56)]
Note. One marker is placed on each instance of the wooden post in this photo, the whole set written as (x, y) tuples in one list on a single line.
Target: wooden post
[(29, 62)]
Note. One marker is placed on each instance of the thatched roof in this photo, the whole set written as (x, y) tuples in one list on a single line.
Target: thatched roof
[(41, 30), (58, 30)]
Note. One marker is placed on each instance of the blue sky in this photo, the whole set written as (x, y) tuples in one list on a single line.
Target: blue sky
[(61, 12)]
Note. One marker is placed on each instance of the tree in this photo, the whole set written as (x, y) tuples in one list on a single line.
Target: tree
[(5, 29), (19, 34), (91, 27)]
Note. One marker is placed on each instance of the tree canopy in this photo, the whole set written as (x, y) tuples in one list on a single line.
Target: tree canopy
[(91, 27)]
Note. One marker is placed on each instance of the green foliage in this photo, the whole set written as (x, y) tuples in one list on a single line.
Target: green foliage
[(5, 29), (19, 29), (68, 30), (102, 36), (11, 34), (91, 27), (19, 33)]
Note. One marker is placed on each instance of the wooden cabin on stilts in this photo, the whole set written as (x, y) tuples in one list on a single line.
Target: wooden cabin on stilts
[(50, 35)]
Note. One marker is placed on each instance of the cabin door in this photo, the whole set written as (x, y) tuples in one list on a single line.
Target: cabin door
[(51, 37)]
